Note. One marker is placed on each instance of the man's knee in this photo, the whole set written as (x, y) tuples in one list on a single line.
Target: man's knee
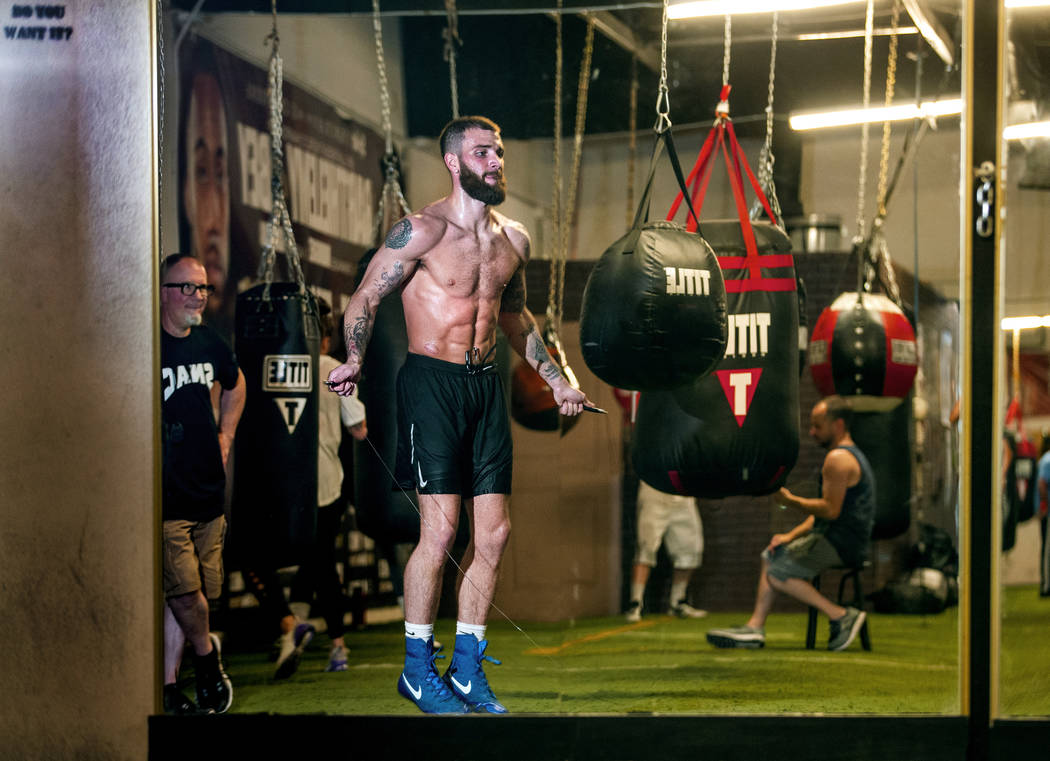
[(494, 540)]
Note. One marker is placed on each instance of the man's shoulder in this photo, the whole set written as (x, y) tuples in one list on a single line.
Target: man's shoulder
[(845, 457), (516, 232)]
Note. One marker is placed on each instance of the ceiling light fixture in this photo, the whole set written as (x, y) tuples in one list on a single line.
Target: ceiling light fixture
[(1024, 131), (847, 117), (1027, 3), (851, 33), (698, 8), (1025, 323)]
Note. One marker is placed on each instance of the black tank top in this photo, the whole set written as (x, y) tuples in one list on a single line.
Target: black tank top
[(850, 533)]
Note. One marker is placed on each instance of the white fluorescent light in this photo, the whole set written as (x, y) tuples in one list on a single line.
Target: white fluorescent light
[(851, 33), (860, 115), (699, 8), (1026, 3), (1025, 323), (1022, 131)]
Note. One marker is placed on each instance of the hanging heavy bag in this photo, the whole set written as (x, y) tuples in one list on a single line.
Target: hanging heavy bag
[(736, 430), (275, 463), (654, 308), (885, 439)]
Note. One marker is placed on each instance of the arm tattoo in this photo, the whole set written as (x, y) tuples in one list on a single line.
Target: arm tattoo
[(358, 333), (536, 350), (388, 281), (399, 235), (513, 300)]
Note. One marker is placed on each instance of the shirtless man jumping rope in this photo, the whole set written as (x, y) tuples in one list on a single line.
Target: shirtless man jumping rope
[(460, 266)]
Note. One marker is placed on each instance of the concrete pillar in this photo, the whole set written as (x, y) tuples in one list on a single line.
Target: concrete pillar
[(79, 458)]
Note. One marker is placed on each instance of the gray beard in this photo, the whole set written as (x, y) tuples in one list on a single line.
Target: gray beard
[(479, 190)]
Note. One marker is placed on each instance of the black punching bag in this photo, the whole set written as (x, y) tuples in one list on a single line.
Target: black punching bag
[(654, 308), (884, 438), (735, 431), (275, 473)]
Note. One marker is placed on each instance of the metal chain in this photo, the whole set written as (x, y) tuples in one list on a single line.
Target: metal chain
[(663, 97), (384, 88), (556, 189), (451, 35), (869, 23), (279, 216), (582, 89), (727, 43), (765, 156), (391, 172), (632, 140), (891, 79)]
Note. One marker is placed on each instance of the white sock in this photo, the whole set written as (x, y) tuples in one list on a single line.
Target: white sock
[(637, 592), (478, 630), (678, 592), (419, 631)]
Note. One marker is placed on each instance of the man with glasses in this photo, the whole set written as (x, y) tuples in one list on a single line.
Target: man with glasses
[(196, 448)]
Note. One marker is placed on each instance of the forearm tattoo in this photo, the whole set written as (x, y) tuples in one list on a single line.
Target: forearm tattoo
[(536, 350), (399, 235), (358, 332)]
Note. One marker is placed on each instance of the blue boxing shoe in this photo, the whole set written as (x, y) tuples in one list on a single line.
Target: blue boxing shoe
[(466, 678), (420, 683)]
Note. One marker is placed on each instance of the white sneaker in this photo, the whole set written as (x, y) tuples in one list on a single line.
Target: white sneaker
[(634, 612), (685, 610)]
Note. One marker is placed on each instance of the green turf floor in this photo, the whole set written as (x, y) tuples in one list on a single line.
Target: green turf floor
[(664, 665)]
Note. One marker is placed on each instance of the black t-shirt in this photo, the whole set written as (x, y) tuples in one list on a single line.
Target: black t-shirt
[(194, 479)]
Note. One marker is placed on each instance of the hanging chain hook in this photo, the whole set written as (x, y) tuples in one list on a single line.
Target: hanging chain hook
[(891, 79), (766, 159), (663, 97), (451, 35), (722, 109), (869, 31)]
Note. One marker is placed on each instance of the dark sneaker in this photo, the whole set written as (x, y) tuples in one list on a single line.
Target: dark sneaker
[(176, 702), (738, 636), (420, 683), (293, 644), (466, 678), (844, 631), (214, 689), (685, 610), (634, 612)]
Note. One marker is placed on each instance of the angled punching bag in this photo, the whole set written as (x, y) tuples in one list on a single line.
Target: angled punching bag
[(275, 462), (654, 308)]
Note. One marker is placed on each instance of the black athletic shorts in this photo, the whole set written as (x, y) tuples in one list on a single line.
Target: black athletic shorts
[(453, 433)]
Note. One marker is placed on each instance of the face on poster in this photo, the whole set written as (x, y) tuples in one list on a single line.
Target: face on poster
[(331, 181)]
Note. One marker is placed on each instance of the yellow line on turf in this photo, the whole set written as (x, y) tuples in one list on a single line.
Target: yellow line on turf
[(589, 638)]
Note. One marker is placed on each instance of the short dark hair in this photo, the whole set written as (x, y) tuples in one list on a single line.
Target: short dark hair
[(452, 135), (838, 408), (172, 259)]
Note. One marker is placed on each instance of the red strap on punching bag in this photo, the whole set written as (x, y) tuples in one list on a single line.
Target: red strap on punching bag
[(736, 165)]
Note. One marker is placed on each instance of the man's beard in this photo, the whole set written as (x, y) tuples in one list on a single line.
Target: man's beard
[(476, 187)]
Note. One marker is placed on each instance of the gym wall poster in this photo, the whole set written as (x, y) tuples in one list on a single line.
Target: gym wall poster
[(332, 179)]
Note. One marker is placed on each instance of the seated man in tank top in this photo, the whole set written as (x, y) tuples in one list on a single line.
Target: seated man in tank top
[(836, 532)]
